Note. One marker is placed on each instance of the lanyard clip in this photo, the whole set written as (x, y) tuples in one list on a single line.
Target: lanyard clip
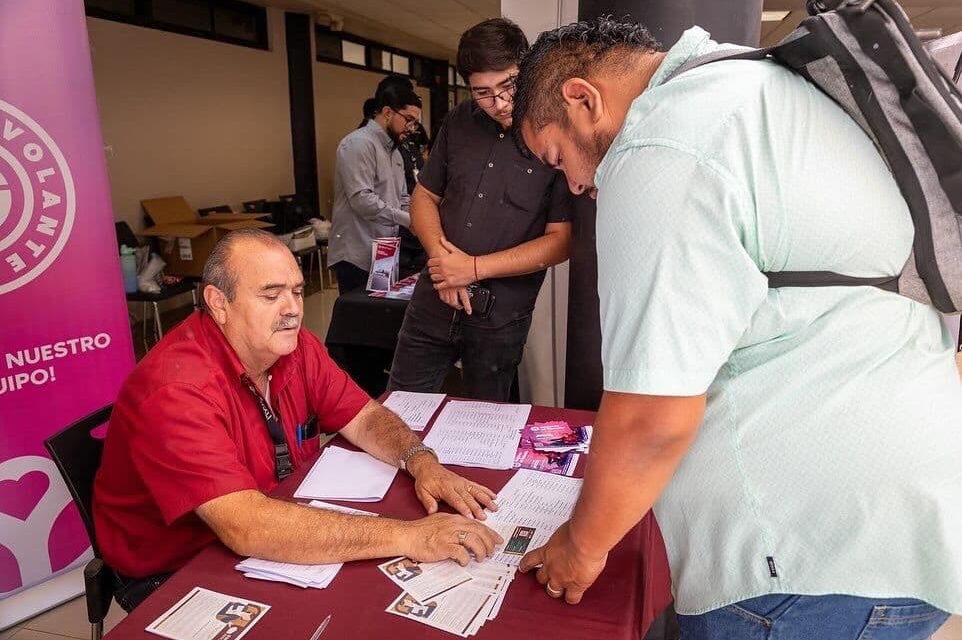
[(282, 462)]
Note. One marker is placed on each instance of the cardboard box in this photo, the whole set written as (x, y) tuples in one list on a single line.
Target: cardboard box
[(185, 239)]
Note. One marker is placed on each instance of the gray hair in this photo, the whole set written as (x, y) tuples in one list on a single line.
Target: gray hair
[(218, 270)]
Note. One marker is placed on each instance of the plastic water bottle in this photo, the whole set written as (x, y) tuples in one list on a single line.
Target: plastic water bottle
[(128, 262)]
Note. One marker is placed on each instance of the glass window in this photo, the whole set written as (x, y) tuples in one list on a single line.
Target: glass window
[(329, 45), (232, 23), (182, 13), (400, 64), (120, 7), (353, 52)]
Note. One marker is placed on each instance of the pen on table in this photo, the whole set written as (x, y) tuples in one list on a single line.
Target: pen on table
[(321, 627)]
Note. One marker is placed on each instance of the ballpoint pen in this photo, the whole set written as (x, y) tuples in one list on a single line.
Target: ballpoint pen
[(321, 627)]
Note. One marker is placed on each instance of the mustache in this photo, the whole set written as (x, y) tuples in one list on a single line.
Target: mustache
[(287, 322)]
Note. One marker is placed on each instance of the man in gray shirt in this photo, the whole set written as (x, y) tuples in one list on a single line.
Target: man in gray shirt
[(370, 196)]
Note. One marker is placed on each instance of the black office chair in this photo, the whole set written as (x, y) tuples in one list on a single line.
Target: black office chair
[(77, 454)]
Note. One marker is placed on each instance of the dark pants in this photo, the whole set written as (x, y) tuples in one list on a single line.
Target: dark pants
[(130, 592), (429, 343), (349, 277)]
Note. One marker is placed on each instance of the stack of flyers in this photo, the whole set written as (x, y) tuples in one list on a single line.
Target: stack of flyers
[(552, 447), (557, 436), (385, 255), (446, 596), (402, 289), (316, 576)]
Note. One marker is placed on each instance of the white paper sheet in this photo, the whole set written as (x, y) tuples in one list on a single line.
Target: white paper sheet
[(531, 507), (458, 612), (425, 580), (478, 434), (351, 476), (416, 409), (208, 615)]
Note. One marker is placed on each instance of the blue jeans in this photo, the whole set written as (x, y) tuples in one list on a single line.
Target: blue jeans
[(834, 617)]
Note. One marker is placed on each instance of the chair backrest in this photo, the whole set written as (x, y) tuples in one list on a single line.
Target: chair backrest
[(77, 454)]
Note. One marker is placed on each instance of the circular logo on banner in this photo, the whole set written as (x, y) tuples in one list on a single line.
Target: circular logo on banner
[(37, 199)]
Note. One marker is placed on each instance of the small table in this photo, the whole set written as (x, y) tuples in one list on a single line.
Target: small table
[(166, 293), (632, 591), (363, 335)]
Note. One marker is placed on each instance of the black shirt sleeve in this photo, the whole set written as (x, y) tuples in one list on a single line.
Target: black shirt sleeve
[(434, 175), (561, 204)]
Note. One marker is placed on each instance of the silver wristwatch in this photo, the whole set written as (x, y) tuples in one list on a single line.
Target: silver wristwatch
[(410, 453)]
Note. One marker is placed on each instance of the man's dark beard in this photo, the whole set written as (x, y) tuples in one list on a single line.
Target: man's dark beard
[(594, 147)]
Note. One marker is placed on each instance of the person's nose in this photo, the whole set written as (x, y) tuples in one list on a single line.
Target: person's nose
[(575, 187), (293, 304)]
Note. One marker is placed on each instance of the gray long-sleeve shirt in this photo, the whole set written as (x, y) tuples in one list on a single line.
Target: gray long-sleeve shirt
[(370, 195)]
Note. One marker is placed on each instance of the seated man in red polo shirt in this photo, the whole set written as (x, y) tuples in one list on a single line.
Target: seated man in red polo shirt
[(231, 401)]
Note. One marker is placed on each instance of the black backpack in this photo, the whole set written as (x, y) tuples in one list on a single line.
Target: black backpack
[(865, 55)]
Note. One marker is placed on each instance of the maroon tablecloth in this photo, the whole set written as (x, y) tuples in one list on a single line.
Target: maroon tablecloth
[(631, 592)]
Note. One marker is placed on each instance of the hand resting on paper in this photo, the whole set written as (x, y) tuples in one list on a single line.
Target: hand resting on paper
[(434, 483), (444, 536), (562, 567)]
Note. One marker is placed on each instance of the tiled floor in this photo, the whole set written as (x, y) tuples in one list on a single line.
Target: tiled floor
[(68, 620)]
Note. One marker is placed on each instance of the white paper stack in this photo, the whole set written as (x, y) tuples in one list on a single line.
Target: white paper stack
[(478, 434), (317, 576), (416, 409), (450, 598), (351, 476)]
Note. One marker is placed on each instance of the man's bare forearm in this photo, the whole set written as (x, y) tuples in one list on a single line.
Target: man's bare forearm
[(630, 464), (528, 257), (307, 535), (381, 433), (426, 220)]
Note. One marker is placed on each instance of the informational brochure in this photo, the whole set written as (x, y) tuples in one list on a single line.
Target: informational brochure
[(531, 507), (425, 580), (416, 409), (478, 434), (208, 615), (385, 255)]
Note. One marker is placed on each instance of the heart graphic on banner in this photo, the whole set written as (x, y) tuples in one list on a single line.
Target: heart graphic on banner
[(18, 498)]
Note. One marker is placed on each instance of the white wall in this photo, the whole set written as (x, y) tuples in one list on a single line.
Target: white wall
[(339, 94), (542, 372), (193, 117)]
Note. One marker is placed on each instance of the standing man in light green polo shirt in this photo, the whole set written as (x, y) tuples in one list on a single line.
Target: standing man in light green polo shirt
[(802, 448)]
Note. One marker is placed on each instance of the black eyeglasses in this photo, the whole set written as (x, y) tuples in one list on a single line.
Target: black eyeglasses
[(506, 94), (410, 122)]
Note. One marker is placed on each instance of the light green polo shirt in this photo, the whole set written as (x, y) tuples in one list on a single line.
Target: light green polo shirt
[(832, 440)]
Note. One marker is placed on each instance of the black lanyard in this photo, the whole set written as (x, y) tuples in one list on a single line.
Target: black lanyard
[(282, 454)]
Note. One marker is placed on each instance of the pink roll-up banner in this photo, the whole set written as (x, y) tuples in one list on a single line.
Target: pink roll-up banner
[(65, 344)]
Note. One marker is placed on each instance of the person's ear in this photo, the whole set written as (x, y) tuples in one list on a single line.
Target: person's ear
[(216, 303), (584, 102)]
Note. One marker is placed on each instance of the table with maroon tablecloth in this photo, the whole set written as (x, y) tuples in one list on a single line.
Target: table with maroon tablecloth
[(631, 592)]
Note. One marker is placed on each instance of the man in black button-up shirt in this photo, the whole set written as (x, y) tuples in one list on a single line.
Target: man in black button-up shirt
[(485, 214)]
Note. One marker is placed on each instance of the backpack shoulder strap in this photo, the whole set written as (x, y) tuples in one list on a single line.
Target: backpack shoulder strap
[(718, 56)]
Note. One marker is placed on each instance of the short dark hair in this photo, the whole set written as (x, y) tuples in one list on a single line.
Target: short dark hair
[(394, 79), (492, 45), (368, 110), (395, 96), (577, 50), (218, 271)]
